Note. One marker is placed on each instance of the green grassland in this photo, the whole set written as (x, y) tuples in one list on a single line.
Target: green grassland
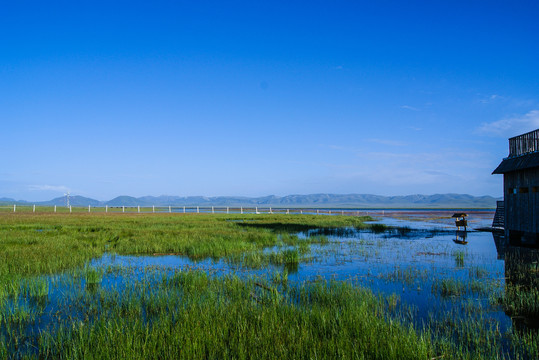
[(48, 243), (190, 314)]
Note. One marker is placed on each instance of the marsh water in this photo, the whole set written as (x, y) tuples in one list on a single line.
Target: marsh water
[(430, 271), (415, 261)]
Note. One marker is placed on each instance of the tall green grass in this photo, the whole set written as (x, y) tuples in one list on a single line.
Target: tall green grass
[(193, 316), (521, 297), (49, 243)]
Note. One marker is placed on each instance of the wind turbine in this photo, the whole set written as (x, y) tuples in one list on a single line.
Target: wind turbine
[(67, 199)]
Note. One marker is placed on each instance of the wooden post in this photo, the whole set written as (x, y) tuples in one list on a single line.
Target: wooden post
[(34, 209)]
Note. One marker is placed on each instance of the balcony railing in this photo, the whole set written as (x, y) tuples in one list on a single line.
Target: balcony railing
[(524, 144)]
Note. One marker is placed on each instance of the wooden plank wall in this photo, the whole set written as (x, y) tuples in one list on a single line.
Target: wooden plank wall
[(522, 209)]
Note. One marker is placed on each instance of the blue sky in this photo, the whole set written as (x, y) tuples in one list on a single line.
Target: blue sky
[(257, 98)]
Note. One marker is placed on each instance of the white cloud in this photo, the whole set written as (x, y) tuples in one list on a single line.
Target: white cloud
[(445, 168), (336, 147), (512, 126), (388, 142), (411, 177), (60, 188), (408, 107), (491, 98)]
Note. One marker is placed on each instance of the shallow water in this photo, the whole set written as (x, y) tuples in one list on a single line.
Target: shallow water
[(407, 264), (412, 262), (433, 219)]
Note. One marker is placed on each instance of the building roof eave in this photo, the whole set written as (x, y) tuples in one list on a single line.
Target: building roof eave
[(527, 161)]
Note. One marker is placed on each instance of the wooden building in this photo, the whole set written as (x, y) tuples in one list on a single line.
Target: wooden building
[(521, 189)]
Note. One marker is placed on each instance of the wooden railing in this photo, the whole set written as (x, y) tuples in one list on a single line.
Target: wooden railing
[(523, 144)]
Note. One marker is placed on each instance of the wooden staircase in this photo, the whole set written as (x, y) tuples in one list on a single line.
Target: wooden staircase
[(499, 216)]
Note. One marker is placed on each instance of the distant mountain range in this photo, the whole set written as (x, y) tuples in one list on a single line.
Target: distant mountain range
[(313, 200)]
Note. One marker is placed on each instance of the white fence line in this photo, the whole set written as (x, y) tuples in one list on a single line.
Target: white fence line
[(192, 210)]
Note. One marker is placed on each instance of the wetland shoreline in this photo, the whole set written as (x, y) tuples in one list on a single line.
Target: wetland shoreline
[(321, 278)]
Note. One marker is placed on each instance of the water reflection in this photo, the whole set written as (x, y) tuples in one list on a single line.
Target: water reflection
[(521, 293), (500, 243), (461, 237)]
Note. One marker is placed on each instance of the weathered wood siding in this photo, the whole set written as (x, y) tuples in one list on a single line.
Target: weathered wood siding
[(522, 209), (524, 144)]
